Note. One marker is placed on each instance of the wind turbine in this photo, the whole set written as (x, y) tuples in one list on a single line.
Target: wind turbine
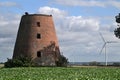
[(104, 47)]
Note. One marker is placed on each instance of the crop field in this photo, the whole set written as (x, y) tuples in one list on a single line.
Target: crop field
[(57, 73), (1, 65)]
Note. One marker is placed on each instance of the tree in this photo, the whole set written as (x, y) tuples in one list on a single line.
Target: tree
[(117, 30)]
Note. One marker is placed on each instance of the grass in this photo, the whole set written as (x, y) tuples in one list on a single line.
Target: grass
[(57, 73)]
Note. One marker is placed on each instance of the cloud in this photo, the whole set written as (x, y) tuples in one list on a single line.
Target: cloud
[(89, 3), (8, 31), (79, 35), (9, 24), (49, 10), (74, 23), (54, 11), (78, 23), (8, 4), (81, 3), (114, 3)]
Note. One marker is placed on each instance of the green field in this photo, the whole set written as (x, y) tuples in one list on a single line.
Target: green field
[(57, 73)]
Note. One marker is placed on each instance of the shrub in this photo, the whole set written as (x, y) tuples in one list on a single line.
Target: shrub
[(116, 64), (19, 62), (62, 62), (94, 63)]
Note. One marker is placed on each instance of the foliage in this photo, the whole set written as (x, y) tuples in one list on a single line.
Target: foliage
[(116, 64), (117, 32), (62, 62), (59, 73), (118, 18), (94, 63), (19, 62)]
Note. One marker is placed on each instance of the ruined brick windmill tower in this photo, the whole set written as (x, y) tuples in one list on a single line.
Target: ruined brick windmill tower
[(37, 39)]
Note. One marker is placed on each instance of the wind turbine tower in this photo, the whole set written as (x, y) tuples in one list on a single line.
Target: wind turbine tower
[(104, 47)]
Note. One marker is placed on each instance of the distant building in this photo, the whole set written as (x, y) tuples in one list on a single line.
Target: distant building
[(37, 39)]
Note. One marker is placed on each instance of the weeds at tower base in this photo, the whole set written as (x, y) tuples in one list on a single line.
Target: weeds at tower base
[(27, 62)]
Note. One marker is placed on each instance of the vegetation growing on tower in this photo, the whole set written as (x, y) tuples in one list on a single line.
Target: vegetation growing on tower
[(117, 30)]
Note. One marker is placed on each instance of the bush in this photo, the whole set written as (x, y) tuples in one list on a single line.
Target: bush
[(94, 63), (19, 62), (27, 62), (116, 64), (62, 62)]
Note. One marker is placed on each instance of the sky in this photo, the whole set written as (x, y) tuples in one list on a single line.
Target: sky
[(77, 24)]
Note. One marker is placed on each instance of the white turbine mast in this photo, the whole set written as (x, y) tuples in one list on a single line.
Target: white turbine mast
[(104, 47)]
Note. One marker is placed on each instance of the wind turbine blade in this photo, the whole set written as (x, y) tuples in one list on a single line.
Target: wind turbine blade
[(112, 42), (102, 37), (102, 48)]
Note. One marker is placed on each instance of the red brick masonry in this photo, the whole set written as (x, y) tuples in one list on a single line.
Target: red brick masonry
[(37, 39)]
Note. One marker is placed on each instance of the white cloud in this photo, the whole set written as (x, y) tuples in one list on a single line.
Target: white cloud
[(78, 23), (114, 3), (81, 3), (89, 3), (54, 11), (8, 4), (8, 31), (78, 35)]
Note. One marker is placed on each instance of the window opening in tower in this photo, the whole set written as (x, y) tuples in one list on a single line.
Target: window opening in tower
[(38, 36), (38, 24), (38, 54)]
